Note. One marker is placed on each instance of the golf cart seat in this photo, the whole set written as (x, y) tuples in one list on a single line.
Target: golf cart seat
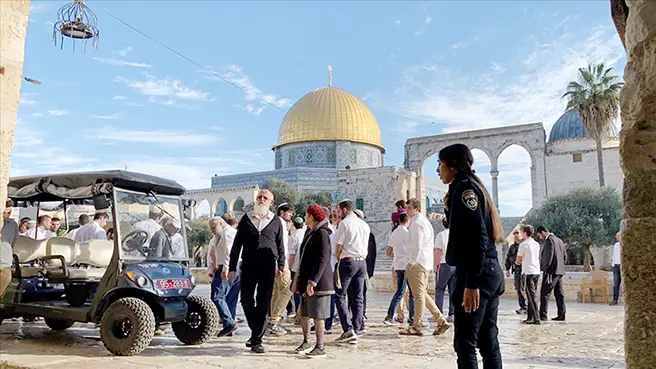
[(97, 253)]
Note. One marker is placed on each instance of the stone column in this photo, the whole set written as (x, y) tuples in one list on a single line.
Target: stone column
[(494, 173), (13, 26), (638, 158)]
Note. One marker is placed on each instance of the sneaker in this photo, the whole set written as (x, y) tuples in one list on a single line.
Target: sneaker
[(328, 331), (249, 343), (533, 322), (275, 330), (613, 303), (521, 311), (226, 331), (558, 319), (361, 332), (347, 337), (257, 349), (450, 319), (441, 329), (291, 315), (388, 321), (316, 352), (303, 348)]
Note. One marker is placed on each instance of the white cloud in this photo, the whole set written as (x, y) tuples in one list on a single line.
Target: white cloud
[(58, 112), (498, 68), (125, 51), (39, 7), (36, 115), (397, 21), (120, 62), (165, 87), (119, 97), (428, 20), (431, 93), (25, 101), (168, 137), (108, 117), (257, 100)]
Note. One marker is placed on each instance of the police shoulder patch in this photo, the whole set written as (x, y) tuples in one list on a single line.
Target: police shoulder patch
[(470, 199)]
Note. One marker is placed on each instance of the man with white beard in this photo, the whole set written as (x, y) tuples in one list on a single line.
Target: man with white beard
[(259, 239)]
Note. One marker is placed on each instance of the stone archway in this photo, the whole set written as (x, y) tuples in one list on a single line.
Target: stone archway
[(492, 142), (220, 207)]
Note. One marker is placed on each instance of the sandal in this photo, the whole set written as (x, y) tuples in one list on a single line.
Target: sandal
[(411, 332)]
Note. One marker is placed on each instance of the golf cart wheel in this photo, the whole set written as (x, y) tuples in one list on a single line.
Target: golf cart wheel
[(201, 323), (59, 324), (76, 295), (127, 326)]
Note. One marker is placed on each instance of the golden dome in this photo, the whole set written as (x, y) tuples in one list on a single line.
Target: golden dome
[(330, 114)]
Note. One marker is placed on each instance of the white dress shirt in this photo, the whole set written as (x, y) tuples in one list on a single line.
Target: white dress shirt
[(91, 231), (353, 235), (149, 226), (398, 240), (177, 246), (6, 255), (420, 241), (224, 246), (529, 251), (260, 224), (441, 242), (296, 240), (41, 234), (617, 253), (333, 246)]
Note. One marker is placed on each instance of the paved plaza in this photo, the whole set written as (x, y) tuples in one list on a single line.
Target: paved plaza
[(591, 338)]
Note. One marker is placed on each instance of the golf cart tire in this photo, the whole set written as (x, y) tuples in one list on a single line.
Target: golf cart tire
[(143, 326), (209, 322), (58, 324)]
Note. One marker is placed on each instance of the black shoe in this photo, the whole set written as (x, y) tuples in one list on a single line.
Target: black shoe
[(317, 352), (558, 319), (544, 318), (533, 322), (303, 348), (521, 311), (257, 349), (226, 331), (613, 303), (249, 343)]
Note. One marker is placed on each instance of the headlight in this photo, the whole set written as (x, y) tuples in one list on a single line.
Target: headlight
[(193, 280), (142, 281)]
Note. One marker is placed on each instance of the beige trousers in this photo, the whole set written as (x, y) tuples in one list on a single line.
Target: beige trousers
[(281, 295), (5, 279), (418, 280)]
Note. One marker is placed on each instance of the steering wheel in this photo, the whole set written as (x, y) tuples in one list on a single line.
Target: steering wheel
[(135, 240)]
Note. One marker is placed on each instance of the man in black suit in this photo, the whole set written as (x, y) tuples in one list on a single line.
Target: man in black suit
[(552, 264)]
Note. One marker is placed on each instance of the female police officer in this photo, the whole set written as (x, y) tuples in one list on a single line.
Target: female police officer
[(475, 227)]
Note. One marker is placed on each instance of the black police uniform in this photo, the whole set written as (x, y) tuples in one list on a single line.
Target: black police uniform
[(472, 251)]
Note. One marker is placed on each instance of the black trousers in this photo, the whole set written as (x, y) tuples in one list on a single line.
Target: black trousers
[(478, 329), (520, 287), (552, 282), (531, 283), (256, 306)]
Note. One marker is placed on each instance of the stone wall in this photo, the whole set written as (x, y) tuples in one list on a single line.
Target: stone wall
[(376, 189), (13, 27), (563, 173)]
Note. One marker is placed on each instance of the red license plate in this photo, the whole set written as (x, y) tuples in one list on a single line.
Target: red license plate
[(172, 283)]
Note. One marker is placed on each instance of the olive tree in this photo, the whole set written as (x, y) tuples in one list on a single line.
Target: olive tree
[(583, 217)]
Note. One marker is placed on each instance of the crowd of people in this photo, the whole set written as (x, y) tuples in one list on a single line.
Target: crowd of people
[(280, 264)]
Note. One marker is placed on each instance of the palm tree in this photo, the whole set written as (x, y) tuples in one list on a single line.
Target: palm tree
[(596, 97)]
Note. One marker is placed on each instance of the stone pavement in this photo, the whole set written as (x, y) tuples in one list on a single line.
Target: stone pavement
[(591, 338)]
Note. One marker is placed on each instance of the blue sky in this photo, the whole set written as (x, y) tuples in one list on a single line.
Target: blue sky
[(422, 68)]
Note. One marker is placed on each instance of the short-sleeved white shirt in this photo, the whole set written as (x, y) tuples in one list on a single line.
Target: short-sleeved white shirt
[(398, 240), (529, 251), (353, 235), (91, 231), (441, 242)]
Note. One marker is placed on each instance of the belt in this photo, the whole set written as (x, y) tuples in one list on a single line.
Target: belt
[(353, 259)]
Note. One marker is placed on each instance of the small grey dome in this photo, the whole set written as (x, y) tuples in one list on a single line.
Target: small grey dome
[(568, 126)]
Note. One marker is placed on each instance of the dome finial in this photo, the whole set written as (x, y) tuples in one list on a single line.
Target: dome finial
[(330, 75)]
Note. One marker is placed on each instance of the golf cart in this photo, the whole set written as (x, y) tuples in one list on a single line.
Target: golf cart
[(129, 285)]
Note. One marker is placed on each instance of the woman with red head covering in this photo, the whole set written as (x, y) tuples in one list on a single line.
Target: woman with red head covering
[(315, 279)]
